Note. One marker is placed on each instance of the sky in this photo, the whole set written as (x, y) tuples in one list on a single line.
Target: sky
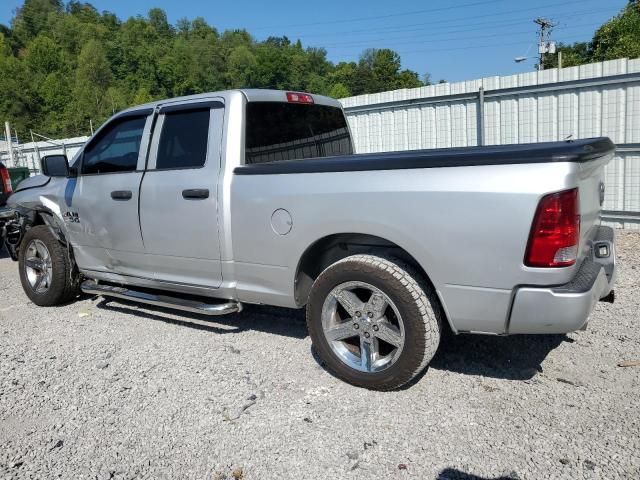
[(450, 39)]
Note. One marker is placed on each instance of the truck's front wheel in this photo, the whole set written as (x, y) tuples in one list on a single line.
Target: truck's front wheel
[(372, 323), (45, 269)]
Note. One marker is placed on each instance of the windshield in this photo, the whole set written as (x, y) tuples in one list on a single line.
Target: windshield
[(289, 131)]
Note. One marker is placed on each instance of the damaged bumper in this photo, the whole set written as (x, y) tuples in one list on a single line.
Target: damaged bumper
[(11, 229)]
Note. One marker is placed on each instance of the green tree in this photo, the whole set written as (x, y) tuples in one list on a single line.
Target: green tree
[(17, 101), (92, 79), (386, 67), (620, 36), (345, 74), (242, 67), (572, 55), (158, 20), (339, 90), (62, 65), (617, 38), (44, 56), (407, 79), (32, 18)]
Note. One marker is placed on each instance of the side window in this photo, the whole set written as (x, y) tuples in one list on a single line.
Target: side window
[(183, 142), (116, 148)]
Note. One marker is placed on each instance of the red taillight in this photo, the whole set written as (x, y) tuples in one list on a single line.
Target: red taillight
[(293, 97), (555, 233), (6, 180)]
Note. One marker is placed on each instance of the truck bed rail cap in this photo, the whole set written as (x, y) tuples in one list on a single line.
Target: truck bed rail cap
[(578, 151)]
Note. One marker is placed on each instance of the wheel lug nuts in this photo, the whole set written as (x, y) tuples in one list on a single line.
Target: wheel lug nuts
[(376, 328), (356, 326), (358, 314), (366, 334), (370, 315)]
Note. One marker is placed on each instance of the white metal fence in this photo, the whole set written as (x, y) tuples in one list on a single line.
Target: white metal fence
[(28, 154), (599, 99), (576, 102)]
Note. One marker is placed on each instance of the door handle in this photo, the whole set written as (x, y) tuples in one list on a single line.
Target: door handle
[(121, 194), (195, 194)]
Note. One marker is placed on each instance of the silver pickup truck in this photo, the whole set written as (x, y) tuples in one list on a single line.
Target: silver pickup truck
[(207, 202)]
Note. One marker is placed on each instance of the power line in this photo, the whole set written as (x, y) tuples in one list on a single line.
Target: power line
[(446, 39), (463, 18), (439, 26), (378, 17), (474, 47)]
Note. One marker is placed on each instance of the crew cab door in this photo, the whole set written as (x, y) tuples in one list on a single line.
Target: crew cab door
[(178, 199), (102, 203)]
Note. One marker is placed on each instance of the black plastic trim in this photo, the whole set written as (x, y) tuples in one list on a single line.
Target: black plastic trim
[(122, 195), (143, 112), (549, 152), (191, 106), (583, 280), (604, 234), (195, 194)]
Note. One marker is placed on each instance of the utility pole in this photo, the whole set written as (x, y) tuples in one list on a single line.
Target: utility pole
[(544, 46), (7, 129)]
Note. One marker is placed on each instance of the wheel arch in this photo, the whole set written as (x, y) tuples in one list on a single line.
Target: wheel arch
[(29, 218), (331, 248)]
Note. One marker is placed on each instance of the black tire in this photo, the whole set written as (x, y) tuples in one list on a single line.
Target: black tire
[(413, 297), (63, 286)]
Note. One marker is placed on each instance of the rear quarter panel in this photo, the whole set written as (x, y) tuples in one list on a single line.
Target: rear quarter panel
[(467, 226)]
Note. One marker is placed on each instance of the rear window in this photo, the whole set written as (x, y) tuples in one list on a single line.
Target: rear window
[(289, 131)]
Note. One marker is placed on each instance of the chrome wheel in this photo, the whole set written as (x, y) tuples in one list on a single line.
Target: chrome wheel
[(363, 326), (37, 264)]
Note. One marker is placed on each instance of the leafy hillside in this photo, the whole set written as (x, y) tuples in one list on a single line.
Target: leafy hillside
[(61, 65)]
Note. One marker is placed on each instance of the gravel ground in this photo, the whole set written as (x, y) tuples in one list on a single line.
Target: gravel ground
[(103, 390)]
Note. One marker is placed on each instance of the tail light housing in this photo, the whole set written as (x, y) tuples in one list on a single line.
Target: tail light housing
[(555, 233), (5, 180), (294, 97)]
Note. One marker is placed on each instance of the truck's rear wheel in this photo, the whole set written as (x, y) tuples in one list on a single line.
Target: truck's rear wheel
[(372, 323), (45, 270)]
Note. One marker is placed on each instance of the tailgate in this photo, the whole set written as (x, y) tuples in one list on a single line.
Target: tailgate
[(591, 184)]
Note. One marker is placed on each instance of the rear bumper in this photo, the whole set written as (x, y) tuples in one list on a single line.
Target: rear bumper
[(566, 308)]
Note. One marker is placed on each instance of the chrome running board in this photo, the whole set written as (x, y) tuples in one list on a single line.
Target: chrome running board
[(194, 306)]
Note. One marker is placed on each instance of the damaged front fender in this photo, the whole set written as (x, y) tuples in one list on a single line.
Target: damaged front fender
[(14, 223), (11, 231)]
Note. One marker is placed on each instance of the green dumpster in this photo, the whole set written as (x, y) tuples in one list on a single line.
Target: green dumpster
[(17, 175)]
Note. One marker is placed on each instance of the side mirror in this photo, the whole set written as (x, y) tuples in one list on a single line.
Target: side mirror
[(55, 166)]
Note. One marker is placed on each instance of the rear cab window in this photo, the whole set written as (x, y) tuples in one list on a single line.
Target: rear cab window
[(290, 131), (184, 138)]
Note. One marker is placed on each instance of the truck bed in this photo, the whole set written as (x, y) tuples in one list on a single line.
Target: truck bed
[(578, 151)]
